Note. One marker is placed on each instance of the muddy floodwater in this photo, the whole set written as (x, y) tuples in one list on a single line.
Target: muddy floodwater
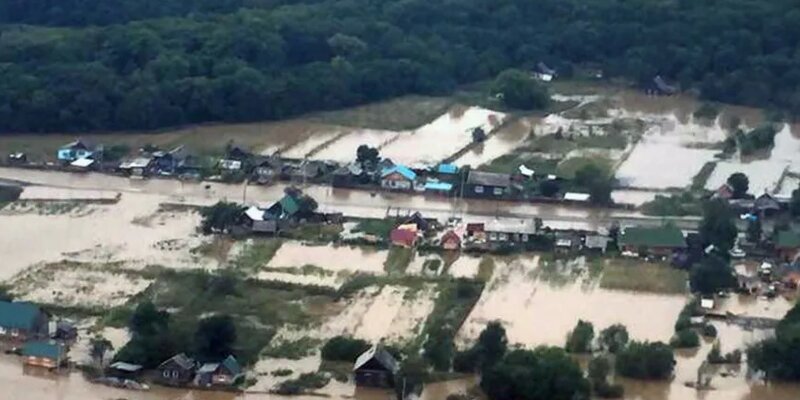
[(329, 257), (504, 141)]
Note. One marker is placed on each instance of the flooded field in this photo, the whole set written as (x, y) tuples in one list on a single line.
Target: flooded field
[(503, 141), (343, 149), (441, 138), (310, 145), (537, 311), (329, 257)]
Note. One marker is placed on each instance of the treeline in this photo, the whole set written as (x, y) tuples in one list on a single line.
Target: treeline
[(223, 61)]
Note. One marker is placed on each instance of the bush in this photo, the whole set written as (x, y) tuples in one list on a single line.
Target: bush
[(614, 338), (580, 339), (646, 360), (715, 356), (466, 361), (311, 380), (519, 90), (709, 330), (342, 348), (684, 339)]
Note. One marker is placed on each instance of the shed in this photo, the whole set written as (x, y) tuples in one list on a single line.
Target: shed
[(450, 241), (577, 197), (224, 373), (375, 368), (596, 242), (121, 369), (177, 371), (43, 354), (436, 186), (82, 163), (766, 204)]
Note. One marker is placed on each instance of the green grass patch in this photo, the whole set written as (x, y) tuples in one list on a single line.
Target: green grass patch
[(398, 259), (256, 254), (568, 167), (550, 144), (375, 227), (452, 306), (291, 349), (402, 113), (609, 140), (431, 265), (509, 163), (305, 383), (486, 269), (622, 274), (315, 232), (681, 204)]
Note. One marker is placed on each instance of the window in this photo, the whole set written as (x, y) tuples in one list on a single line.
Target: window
[(492, 236), (479, 189), (175, 374), (165, 374), (524, 237), (498, 191), (503, 237)]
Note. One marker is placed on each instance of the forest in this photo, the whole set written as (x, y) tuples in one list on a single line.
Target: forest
[(80, 65)]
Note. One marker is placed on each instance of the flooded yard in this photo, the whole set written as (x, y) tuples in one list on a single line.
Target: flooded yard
[(432, 143), (343, 149), (505, 140), (330, 257)]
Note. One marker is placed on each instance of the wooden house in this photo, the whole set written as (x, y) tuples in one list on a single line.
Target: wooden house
[(20, 322), (177, 371), (508, 231), (376, 368), (224, 373), (487, 184), (398, 177), (657, 241), (43, 354)]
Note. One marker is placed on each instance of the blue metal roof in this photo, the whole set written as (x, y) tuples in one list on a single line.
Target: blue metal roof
[(42, 349), (18, 315), (400, 169), (447, 169), (438, 186)]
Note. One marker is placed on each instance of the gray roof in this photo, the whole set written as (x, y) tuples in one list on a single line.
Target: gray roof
[(208, 368), (489, 179), (182, 360), (18, 315), (127, 367), (525, 226), (597, 241), (381, 355)]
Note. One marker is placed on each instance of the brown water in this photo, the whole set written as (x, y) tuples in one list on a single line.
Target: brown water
[(504, 141), (343, 150), (329, 257)]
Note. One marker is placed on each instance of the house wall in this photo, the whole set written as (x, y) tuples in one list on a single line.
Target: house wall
[(374, 378), (174, 376), (507, 237), (484, 191), (395, 181)]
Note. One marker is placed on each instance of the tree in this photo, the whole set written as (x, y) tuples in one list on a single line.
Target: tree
[(214, 338), (147, 320), (779, 357), (580, 339), (343, 348), (718, 226), (549, 187), (492, 345), (740, 184), (684, 339), (546, 373), (598, 370), (478, 135), (98, 346), (794, 204), (151, 339), (520, 90), (221, 217), (367, 156), (711, 275), (411, 376), (614, 338), (439, 348), (754, 230), (596, 181), (645, 360)]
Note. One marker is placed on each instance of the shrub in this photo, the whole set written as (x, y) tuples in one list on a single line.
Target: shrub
[(580, 339), (685, 338), (342, 348), (614, 338), (709, 330), (646, 360)]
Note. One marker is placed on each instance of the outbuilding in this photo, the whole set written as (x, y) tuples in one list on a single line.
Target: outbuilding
[(376, 368)]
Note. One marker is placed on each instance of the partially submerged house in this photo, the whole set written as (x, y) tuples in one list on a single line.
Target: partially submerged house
[(43, 354), (267, 169), (235, 159), (657, 241), (543, 72), (224, 373), (398, 177), (123, 370), (506, 230), (376, 368), (20, 322), (787, 245), (177, 371), (487, 184), (76, 150), (283, 214), (404, 235), (766, 205), (450, 241), (436, 186)]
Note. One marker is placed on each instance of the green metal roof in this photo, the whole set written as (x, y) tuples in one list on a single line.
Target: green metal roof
[(18, 315), (663, 236), (289, 205), (788, 239), (42, 349), (232, 365)]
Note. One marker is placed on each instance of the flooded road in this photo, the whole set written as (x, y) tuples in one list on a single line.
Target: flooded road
[(355, 203)]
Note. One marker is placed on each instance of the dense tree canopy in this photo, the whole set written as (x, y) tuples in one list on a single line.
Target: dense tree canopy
[(518, 89), (779, 357), (646, 360), (740, 184), (712, 274), (546, 373), (144, 64), (718, 227)]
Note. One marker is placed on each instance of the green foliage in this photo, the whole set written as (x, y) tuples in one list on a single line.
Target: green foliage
[(794, 204), (411, 376), (708, 330), (520, 90), (711, 275), (760, 138), (598, 370), (580, 339), (779, 357), (398, 259), (491, 346), (303, 383), (707, 111), (645, 360), (376, 227), (685, 338), (718, 226), (679, 205), (343, 348), (9, 193), (221, 217), (214, 338), (546, 373), (597, 181), (116, 152), (614, 338), (739, 183), (715, 356), (456, 298), (367, 156)]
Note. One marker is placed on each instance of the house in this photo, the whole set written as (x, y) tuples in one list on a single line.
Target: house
[(596, 243), (138, 167), (766, 205), (43, 354), (285, 208), (659, 241), (510, 231), (375, 368), (658, 86), (565, 244), (20, 322), (82, 164), (168, 162), (787, 244), (225, 373), (419, 221), (268, 170), (234, 159), (487, 184), (177, 371), (404, 236), (450, 241), (398, 177), (124, 370), (544, 73), (75, 150), (256, 220)]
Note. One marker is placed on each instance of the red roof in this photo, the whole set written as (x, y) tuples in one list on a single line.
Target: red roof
[(477, 227), (403, 237), (451, 236)]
